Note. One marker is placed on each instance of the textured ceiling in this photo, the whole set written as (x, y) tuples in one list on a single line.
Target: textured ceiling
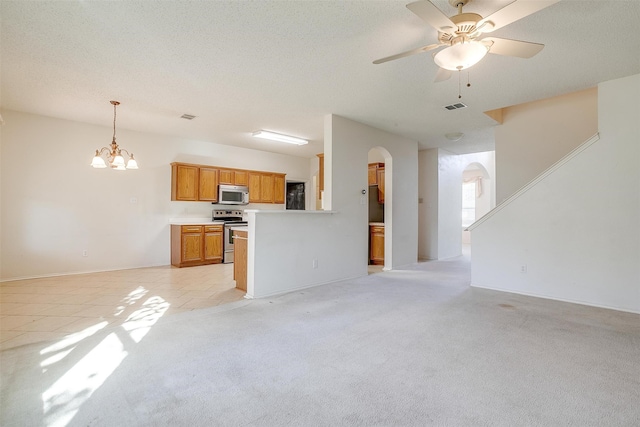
[(240, 66)]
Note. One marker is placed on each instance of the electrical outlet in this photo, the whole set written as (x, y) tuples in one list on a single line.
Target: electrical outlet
[(523, 268), (315, 263), (85, 253), (133, 200)]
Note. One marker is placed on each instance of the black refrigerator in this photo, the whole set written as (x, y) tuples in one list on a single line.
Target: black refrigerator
[(376, 210), (295, 196)]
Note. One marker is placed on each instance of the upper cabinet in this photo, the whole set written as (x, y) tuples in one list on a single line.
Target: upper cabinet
[(376, 177), (200, 183), (266, 187), (226, 176), (241, 177), (194, 182), (279, 189), (373, 173), (184, 181), (321, 171), (380, 176), (208, 183), (234, 177)]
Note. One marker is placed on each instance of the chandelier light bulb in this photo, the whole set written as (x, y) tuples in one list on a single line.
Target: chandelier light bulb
[(113, 152)]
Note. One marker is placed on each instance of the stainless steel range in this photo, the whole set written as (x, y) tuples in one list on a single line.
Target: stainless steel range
[(231, 218)]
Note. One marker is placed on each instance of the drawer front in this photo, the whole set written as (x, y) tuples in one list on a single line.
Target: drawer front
[(192, 229), (377, 229), (212, 228)]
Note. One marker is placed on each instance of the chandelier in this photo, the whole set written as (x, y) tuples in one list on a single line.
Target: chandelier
[(114, 153)]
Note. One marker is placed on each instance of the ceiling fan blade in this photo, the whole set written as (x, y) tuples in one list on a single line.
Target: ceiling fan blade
[(408, 53), (431, 15), (442, 75), (509, 47), (512, 12)]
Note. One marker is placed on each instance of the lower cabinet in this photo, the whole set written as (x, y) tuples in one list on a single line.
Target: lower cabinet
[(196, 244), (376, 244), (240, 259)]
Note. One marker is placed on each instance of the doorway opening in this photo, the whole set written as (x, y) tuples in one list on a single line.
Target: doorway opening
[(379, 229), (476, 199)]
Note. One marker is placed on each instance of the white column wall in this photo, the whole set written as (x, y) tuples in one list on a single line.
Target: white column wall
[(428, 204), (285, 244)]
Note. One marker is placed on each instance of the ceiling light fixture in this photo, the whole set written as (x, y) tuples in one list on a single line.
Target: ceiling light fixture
[(461, 55), (114, 153), (279, 137), (454, 136)]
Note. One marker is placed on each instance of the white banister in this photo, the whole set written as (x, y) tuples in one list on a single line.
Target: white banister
[(537, 179)]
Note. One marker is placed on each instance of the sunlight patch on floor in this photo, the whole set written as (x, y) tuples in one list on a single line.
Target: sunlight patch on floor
[(64, 398), (140, 321)]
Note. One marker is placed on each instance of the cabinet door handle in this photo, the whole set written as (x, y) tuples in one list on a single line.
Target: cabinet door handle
[(240, 238)]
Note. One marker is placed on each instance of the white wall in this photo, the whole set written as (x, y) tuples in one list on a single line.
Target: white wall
[(577, 230), (428, 204), (440, 188), (524, 148), (54, 205), (283, 245)]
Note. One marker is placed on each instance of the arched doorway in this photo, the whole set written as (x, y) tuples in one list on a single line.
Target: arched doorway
[(476, 198), (378, 209)]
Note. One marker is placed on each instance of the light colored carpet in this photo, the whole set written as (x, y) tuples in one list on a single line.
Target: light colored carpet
[(413, 347)]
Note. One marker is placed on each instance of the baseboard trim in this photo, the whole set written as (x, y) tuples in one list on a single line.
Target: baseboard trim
[(530, 294)]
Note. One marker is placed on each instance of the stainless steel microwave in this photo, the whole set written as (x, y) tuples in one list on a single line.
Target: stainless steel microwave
[(233, 194)]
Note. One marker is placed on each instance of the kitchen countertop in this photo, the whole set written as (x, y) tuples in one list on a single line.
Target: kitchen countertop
[(240, 228), (377, 224), (193, 221)]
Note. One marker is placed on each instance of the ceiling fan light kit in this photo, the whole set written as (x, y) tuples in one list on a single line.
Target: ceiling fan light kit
[(460, 35), (461, 56)]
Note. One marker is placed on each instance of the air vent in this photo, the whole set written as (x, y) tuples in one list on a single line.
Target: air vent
[(187, 116), (455, 106)]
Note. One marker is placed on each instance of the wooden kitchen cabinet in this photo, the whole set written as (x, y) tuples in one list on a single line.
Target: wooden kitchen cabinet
[(227, 176), (372, 175), (208, 184), (240, 259), (234, 177), (321, 171), (279, 188), (200, 183), (213, 241), (255, 185), (184, 181), (241, 177), (196, 244), (380, 175), (376, 245), (266, 188)]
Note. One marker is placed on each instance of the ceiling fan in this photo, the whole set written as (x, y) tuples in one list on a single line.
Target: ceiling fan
[(462, 34)]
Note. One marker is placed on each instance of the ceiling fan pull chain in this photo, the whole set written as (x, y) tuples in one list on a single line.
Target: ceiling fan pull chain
[(459, 94), (468, 78)]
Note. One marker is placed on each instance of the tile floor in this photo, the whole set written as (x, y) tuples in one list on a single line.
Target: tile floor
[(51, 308)]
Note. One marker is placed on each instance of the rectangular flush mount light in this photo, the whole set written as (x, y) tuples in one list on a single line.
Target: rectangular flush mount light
[(279, 137)]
